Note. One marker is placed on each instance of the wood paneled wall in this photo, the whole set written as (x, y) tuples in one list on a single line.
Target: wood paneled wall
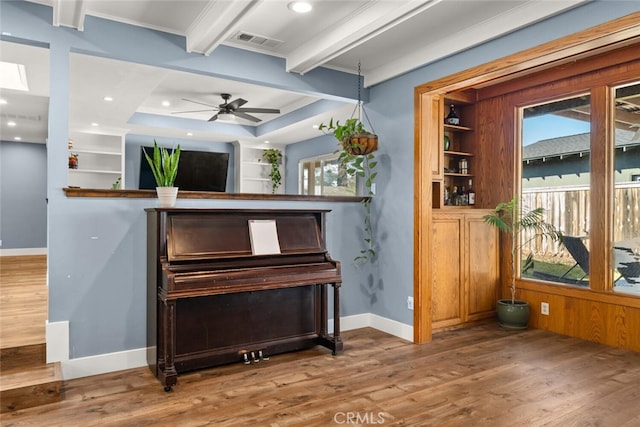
[(592, 59)]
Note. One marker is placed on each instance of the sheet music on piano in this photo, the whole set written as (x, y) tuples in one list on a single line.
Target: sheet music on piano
[(264, 237)]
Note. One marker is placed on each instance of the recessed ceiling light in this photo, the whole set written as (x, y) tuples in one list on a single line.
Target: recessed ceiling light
[(189, 133), (315, 126), (267, 142), (94, 124), (12, 124), (108, 98), (300, 6), (166, 104), (3, 102), (17, 138)]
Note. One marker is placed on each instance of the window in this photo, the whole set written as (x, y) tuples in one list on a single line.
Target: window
[(555, 175), (324, 176), (626, 212)]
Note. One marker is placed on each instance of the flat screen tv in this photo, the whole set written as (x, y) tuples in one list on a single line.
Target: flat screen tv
[(197, 171)]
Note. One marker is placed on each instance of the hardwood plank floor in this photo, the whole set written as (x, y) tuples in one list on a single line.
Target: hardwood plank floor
[(482, 376), (23, 300)]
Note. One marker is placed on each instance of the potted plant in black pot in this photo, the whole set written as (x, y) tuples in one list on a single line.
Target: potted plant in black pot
[(164, 165), (510, 219)]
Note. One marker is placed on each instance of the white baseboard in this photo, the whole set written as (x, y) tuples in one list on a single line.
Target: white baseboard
[(23, 251), (57, 339), (391, 327), (104, 363), (129, 359)]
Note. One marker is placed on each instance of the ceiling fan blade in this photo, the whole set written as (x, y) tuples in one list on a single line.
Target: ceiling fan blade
[(236, 103), (259, 110), (215, 107), (191, 111), (213, 118), (245, 116)]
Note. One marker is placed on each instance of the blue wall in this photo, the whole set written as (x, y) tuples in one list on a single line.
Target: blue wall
[(97, 246), (133, 155), (23, 193)]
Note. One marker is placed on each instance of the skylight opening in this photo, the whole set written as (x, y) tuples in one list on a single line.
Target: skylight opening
[(13, 76)]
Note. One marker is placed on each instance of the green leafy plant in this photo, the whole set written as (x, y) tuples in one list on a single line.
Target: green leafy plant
[(274, 157), (509, 218), (357, 159), (164, 164)]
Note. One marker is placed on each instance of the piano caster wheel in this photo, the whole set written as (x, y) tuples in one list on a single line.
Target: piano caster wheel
[(167, 388)]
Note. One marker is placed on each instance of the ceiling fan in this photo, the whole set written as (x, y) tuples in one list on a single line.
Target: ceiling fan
[(232, 108)]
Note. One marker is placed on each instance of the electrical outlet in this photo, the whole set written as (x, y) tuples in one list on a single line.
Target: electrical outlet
[(544, 308), (410, 303)]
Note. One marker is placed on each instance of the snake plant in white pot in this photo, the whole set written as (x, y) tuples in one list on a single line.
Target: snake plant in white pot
[(164, 165)]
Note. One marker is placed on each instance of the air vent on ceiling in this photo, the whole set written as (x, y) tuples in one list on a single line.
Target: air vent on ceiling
[(254, 39), (30, 118)]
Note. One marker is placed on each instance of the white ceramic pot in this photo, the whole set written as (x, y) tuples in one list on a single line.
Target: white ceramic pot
[(167, 196)]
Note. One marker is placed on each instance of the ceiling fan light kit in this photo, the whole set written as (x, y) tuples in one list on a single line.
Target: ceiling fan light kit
[(230, 110)]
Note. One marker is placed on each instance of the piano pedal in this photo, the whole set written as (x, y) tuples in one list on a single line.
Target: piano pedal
[(245, 356), (262, 355), (253, 357)]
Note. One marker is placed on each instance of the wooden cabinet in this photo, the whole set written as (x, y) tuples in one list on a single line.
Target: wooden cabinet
[(99, 160), (465, 269)]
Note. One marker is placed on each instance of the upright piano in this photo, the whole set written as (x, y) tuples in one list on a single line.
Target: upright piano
[(213, 299)]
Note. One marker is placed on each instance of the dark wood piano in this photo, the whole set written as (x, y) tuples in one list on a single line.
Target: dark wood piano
[(211, 301)]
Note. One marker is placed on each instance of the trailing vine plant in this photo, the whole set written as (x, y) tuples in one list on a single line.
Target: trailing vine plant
[(363, 166), (274, 157), (357, 158)]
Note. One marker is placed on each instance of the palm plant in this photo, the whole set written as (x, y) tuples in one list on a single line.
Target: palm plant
[(509, 218), (164, 164)]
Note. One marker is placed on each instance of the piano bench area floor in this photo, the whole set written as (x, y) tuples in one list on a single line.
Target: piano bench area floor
[(481, 376)]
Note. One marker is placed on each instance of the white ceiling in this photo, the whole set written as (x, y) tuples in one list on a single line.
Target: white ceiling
[(389, 38)]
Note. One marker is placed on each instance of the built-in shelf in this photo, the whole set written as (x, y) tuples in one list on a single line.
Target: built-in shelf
[(100, 160)]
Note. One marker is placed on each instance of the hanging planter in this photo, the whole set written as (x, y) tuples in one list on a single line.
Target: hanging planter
[(356, 157), (361, 144)]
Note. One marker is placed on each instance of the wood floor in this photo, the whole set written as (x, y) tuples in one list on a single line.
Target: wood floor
[(23, 300), (482, 376)]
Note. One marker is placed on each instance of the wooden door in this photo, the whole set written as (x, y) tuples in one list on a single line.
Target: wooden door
[(447, 271)]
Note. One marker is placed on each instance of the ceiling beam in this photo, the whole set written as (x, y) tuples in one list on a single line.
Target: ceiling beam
[(527, 14), (218, 20), (369, 21), (69, 13)]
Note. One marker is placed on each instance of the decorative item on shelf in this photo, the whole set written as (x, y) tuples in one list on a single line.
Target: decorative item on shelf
[(509, 218), (356, 157), (452, 118), (447, 143), (117, 184), (164, 165), (70, 144), (73, 161), (471, 194), (463, 166), (274, 157)]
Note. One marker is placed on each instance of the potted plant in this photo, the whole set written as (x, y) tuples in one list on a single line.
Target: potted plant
[(356, 156), (274, 157), (164, 165), (510, 219), (352, 135)]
